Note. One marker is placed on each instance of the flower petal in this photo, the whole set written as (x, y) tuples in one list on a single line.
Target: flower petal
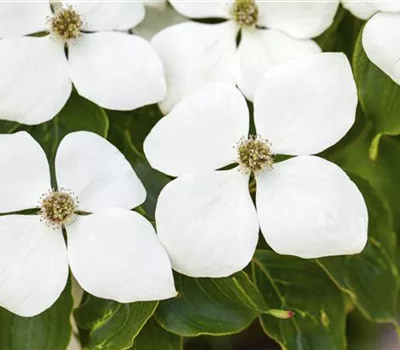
[(200, 132), (20, 18), (115, 254), (97, 173), (381, 44), (116, 70), (306, 105), (387, 5), (195, 54), (157, 19), (361, 9), (34, 83), (24, 174), (260, 50), (298, 18), (109, 15), (208, 223), (309, 207), (202, 9), (33, 264)]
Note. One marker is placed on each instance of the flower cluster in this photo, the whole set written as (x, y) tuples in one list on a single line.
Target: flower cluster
[(237, 171)]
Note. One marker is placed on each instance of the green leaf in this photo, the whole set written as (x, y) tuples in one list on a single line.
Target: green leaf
[(370, 278), (153, 337), (77, 115), (7, 127), (127, 132), (378, 94), (111, 325), (300, 285), (217, 306), (342, 34), (51, 330)]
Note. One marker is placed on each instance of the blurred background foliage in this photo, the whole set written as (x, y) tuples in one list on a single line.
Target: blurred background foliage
[(339, 302)]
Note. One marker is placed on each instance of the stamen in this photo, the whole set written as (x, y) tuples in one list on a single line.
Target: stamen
[(254, 154), (245, 13), (58, 208), (66, 24)]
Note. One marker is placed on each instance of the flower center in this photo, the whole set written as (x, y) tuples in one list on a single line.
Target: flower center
[(245, 13), (66, 24), (58, 207), (254, 154)]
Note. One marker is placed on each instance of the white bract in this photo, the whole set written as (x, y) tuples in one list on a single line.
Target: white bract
[(107, 66), (381, 38), (272, 32), (306, 206), (113, 252)]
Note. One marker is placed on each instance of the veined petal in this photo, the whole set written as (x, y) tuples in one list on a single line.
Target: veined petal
[(202, 9), (115, 254), (381, 44), (108, 15), (309, 207), (195, 54), (200, 132), (34, 79), (24, 174), (207, 223), (261, 50), (97, 173), (33, 264), (298, 18), (117, 70), (20, 18), (306, 105)]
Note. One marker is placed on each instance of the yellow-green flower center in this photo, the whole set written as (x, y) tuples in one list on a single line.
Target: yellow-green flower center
[(58, 208), (66, 24), (245, 13), (254, 154)]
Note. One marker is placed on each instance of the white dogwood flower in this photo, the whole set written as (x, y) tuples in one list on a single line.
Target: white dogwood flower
[(113, 252), (381, 38), (306, 206), (195, 54), (111, 68)]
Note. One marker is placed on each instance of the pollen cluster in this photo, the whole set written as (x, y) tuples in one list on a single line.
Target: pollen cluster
[(66, 24), (58, 207), (245, 13), (254, 154)]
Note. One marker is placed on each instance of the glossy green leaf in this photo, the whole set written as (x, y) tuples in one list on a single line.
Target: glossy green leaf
[(77, 115), (211, 306), (378, 94), (154, 337), (127, 132), (51, 330), (370, 278), (112, 325), (300, 285)]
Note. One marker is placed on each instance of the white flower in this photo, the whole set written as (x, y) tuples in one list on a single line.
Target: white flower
[(111, 68), (113, 252), (381, 38), (306, 206), (195, 54)]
